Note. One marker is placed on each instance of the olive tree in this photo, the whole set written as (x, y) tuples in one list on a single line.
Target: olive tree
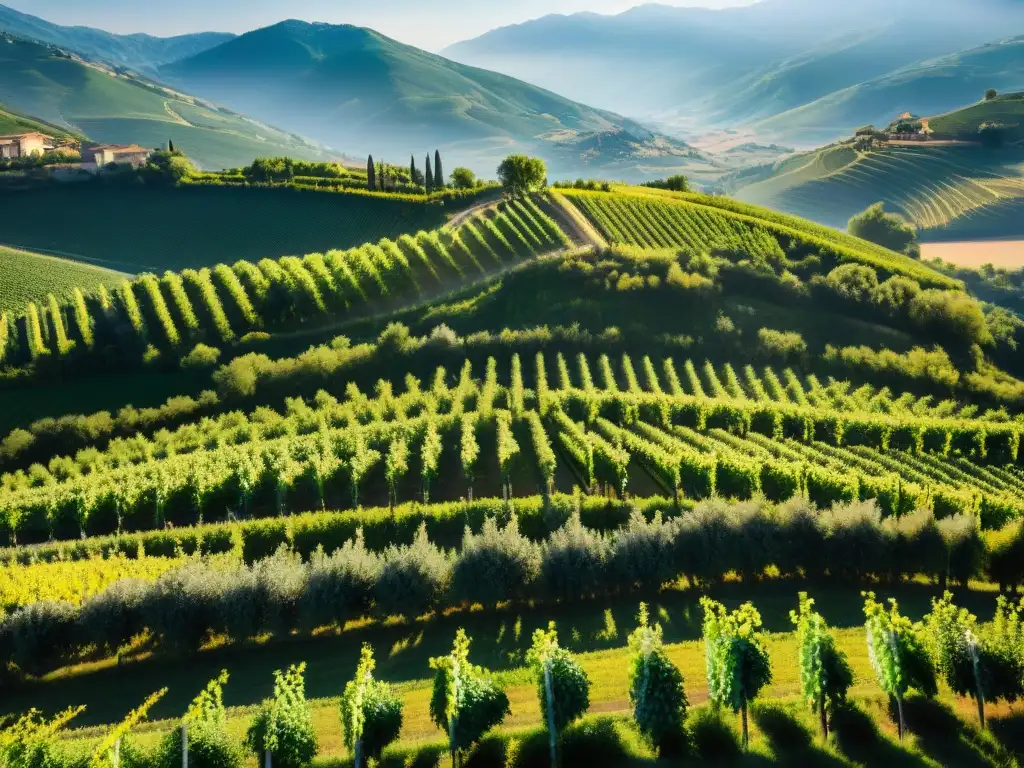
[(520, 174)]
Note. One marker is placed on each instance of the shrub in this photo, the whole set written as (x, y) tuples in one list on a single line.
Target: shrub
[(655, 689), (825, 674), (413, 579), (284, 724), (465, 701), (853, 282), (184, 604), (113, 617), (950, 315), (641, 553), (40, 635), (712, 737), (463, 178), (264, 597), (573, 561), (886, 229), (201, 356), (371, 713), (340, 586), (783, 345), (495, 565)]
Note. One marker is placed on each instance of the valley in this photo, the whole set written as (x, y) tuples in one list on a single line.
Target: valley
[(604, 390)]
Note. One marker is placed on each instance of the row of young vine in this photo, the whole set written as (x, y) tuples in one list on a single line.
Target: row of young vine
[(982, 662), (223, 303)]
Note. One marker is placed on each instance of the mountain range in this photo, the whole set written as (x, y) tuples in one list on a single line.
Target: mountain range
[(688, 69), (353, 88), (142, 53)]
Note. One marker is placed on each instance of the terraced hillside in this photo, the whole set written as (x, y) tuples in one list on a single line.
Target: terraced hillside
[(551, 409), (937, 188)]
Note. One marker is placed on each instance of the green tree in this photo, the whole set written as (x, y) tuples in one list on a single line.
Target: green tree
[(439, 181), (429, 176), (463, 178), (898, 653), (465, 702), (371, 713), (521, 175), (284, 725), (985, 663), (737, 657), (655, 687), (371, 174), (990, 94), (886, 229), (562, 686), (825, 674), (170, 146), (413, 172)]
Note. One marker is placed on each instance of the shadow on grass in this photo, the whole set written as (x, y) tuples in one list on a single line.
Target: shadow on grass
[(789, 739), (857, 737), (1008, 731), (944, 737)]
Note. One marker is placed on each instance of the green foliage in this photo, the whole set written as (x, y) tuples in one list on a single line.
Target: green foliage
[(371, 713), (563, 688), (465, 701), (496, 564), (886, 229), (983, 662), (284, 724), (782, 345), (520, 175), (676, 183), (463, 178), (898, 653), (825, 674), (201, 356), (655, 687), (209, 743)]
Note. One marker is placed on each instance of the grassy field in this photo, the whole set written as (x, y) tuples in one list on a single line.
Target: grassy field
[(596, 631), (156, 229), (14, 122), (26, 276), (934, 187)]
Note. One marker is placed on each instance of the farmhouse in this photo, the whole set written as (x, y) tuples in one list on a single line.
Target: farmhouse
[(96, 156), (24, 145)]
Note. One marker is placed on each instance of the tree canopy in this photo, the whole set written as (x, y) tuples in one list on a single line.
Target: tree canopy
[(885, 229), (520, 174)]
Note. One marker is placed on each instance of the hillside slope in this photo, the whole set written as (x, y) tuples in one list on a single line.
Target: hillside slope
[(90, 99), (356, 89), (924, 88), (14, 122), (946, 190), (26, 276), (137, 52)]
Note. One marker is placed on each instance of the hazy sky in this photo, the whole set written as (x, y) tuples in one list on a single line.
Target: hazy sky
[(430, 24)]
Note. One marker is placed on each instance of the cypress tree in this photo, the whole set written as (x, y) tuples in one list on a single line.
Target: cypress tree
[(412, 169), (438, 173), (371, 179), (429, 176), (170, 145)]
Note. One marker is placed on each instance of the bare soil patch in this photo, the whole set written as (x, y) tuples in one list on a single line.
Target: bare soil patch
[(1000, 253)]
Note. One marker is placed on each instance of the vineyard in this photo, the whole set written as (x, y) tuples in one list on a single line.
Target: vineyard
[(169, 315), (517, 441), (26, 277), (953, 185), (719, 225)]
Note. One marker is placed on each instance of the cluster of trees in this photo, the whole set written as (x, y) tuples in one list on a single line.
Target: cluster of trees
[(279, 594), (886, 229), (677, 183), (40, 160)]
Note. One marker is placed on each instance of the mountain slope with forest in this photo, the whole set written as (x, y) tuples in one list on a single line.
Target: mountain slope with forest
[(357, 89), (137, 52), (92, 100)]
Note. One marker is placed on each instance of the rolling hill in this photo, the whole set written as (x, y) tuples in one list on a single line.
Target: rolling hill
[(924, 88), (142, 53), (61, 88), (354, 88), (14, 122), (26, 276), (949, 191)]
